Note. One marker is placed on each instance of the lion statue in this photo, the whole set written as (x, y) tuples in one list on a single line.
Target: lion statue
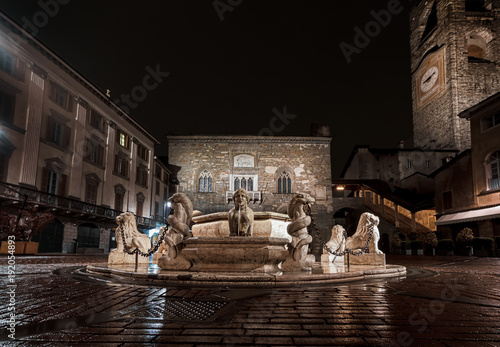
[(337, 241), (133, 238), (298, 258), (367, 222), (241, 216)]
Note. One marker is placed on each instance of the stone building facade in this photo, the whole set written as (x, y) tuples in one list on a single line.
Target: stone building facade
[(272, 169), (454, 65), (468, 188), (407, 168), (67, 147)]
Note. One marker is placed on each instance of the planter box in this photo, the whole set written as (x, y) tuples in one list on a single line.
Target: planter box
[(31, 248), (22, 247)]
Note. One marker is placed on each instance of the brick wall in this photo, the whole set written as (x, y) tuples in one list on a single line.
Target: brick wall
[(467, 82), (307, 159)]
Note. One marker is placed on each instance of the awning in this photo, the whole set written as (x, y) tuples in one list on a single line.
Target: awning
[(462, 217)]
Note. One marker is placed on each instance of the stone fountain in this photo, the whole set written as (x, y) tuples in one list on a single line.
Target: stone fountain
[(246, 248)]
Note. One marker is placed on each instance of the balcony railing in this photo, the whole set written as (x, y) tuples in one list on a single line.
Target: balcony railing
[(18, 193)]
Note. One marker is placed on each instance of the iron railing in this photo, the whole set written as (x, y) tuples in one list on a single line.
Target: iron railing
[(18, 193)]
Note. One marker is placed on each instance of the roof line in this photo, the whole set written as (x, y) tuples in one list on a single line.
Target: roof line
[(5, 19)]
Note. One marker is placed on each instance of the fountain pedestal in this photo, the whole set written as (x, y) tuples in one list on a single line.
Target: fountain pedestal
[(235, 254)]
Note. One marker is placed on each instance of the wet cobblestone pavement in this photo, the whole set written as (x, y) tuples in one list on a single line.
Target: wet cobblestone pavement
[(446, 301)]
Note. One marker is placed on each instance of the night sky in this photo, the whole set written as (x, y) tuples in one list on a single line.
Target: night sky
[(226, 76)]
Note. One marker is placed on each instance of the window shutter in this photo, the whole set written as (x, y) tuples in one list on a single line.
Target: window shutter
[(50, 128), (52, 92), (62, 185), (20, 69), (101, 155), (45, 179), (69, 104), (66, 135)]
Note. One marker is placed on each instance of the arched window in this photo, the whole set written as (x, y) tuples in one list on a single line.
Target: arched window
[(493, 163), (244, 183), (205, 182), (236, 183), (476, 47), (250, 184), (284, 183)]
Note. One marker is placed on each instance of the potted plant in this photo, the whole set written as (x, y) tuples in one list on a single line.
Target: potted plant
[(430, 242), (23, 227), (482, 246), (464, 242), (396, 244), (445, 247)]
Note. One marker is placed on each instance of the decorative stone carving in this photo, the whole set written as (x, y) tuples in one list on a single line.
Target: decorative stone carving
[(298, 259), (241, 216), (133, 239), (367, 223), (337, 244), (173, 259)]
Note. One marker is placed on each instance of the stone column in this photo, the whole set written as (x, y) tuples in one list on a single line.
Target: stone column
[(133, 173), (75, 184), (108, 192), (29, 159)]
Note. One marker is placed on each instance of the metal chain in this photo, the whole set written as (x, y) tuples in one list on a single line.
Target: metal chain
[(152, 250), (329, 250)]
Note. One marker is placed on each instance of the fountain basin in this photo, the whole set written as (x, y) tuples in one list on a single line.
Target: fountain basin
[(266, 224), (235, 254)]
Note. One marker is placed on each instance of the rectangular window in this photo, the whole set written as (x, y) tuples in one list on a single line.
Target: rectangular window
[(142, 152), (165, 193), (7, 62), (427, 164), (97, 121), (121, 165), (123, 139), (157, 188), (157, 209), (91, 192), (142, 176), (409, 163), (57, 133), (140, 207), (158, 172), (118, 201), (4, 163), (61, 97), (7, 102), (447, 200), (94, 152), (490, 122), (53, 183)]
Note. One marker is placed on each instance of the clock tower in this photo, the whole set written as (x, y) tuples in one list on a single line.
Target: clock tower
[(454, 57)]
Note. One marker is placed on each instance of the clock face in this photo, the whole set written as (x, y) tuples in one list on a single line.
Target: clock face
[(429, 79)]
